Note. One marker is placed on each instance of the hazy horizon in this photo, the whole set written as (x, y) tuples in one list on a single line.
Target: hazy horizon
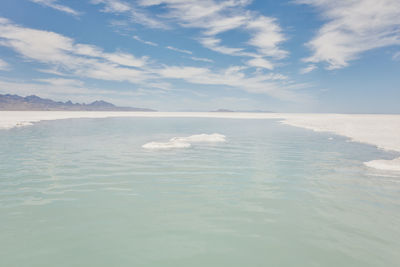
[(218, 110)]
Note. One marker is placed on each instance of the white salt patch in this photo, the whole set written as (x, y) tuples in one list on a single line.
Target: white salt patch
[(166, 145), (185, 142), (389, 165), (201, 138), (382, 131)]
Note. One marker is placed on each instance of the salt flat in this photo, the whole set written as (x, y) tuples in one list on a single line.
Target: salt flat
[(380, 130)]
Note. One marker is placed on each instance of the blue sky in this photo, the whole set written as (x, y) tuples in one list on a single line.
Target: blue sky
[(286, 56)]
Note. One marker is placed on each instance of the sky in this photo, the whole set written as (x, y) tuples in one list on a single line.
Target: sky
[(339, 56)]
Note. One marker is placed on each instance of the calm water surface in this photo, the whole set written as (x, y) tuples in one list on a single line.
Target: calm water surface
[(83, 192)]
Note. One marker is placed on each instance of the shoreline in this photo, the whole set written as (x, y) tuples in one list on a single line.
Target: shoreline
[(380, 130)]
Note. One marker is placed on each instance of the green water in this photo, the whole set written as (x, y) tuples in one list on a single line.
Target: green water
[(83, 192)]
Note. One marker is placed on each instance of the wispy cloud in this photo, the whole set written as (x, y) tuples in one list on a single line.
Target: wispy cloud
[(266, 36), (396, 56), (179, 50), (113, 6), (55, 5), (214, 44), (134, 13), (260, 63), (352, 28), (308, 69), (137, 38), (125, 59), (4, 65), (61, 82), (52, 70), (202, 59)]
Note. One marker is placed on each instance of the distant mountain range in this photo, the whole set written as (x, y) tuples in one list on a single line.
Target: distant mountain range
[(15, 102)]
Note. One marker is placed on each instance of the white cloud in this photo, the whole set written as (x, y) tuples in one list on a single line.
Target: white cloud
[(176, 72), (87, 50), (260, 63), (352, 28), (190, 13), (52, 70), (4, 20), (396, 56), (214, 44), (4, 65), (223, 24), (113, 6), (53, 4), (61, 82), (308, 69), (267, 37), (125, 59), (179, 50), (137, 38), (202, 59), (135, 14)]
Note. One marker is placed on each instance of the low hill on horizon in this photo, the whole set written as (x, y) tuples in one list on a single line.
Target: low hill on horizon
[(34, 103), (246, 111)]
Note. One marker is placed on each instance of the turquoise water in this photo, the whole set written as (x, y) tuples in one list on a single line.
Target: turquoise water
[(83, 192)]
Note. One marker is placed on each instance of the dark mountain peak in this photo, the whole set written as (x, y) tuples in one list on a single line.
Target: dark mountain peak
[(10, 97), (101, 103), (34, 98)]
